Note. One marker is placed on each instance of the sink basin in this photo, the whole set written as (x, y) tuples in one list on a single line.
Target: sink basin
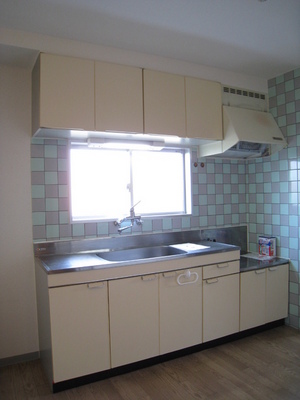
[(140, 253)]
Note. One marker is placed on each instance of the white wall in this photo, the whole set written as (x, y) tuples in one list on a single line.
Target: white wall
[(18, 316), (49, 44)]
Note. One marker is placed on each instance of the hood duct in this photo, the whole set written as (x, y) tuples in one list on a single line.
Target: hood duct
[(247, 134)]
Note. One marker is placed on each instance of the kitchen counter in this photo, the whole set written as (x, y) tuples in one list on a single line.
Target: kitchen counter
[(252, 261), (61, 263)]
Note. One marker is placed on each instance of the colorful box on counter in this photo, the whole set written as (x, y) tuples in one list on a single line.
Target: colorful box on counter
[(267, 246)]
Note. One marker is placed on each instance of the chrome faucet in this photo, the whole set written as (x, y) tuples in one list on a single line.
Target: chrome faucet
[(132, 217)]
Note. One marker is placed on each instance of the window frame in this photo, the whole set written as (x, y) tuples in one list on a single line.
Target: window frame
[(187, 186)]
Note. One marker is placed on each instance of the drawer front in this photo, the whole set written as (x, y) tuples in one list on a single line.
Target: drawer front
[(221, 269)]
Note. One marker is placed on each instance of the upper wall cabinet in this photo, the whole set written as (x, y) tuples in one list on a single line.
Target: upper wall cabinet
[(203, 109), (63, 93), (119, 98), (164, 103)]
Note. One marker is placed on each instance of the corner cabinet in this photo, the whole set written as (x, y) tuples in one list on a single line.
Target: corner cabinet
[(118, 98), (134, 321), (63, 93), (203, 109), (164, 103), (264, 296)]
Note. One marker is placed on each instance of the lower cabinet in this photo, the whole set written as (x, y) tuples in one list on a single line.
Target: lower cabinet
[(264, 296), (221, 290), (134, 319), (252, 299), (79, 330), (180, 294)]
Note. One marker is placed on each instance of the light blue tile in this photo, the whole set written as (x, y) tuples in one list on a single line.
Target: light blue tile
[(234, 198), (284, 231), (50, 151), (294, 288), (219, 199), (281, 121), (235, 219), (38, 218), (211, 189), (259, 218), (284, 209), (275, 198), (78, 230), (227, 189), (290, 107), (37, 164), (292, 152), (289, 85), (267, 166), (268, 187), (291, 130), (226, 168), (211, 210), (272, 91), (252, 208), (297, 94), (283, 165), (267, 209), (102, 228), (203, 221), (242, 168), (242, 188), (259, 177), (38, 191), (64, 217), (275, 176), (251, 168), (234, 179), (293, 221), (195, 189), (203, 200), (186, 222), (293, 310), (167, 223), (279, 79), (293, 243), (210, 168), (52, 231), (51, 178), (218, 178), (227, 209), (202, 178), (51, 204), (284, 187), (220, 220), (147, 225)]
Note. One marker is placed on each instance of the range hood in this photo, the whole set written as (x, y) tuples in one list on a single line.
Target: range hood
[(247, 134)]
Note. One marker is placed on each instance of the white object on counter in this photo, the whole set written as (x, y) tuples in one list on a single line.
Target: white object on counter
[(189, 246)]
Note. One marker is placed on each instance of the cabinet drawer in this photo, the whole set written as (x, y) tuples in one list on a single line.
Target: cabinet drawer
[(221, 269)]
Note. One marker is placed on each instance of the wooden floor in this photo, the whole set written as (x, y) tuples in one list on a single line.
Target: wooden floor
[(263, 366)]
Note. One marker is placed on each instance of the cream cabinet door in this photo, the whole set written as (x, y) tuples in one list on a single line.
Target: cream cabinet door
[(119, 98), (134, 319), (180, 294), (79, 330), (277, 293), (252, 299), (220, 306), (203, 109), (164, 103), (63, 93)]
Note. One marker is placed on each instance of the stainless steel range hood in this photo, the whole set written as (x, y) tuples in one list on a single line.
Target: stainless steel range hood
[(247, 134)]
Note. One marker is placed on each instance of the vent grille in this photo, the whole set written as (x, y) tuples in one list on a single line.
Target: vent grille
[(237, 97)]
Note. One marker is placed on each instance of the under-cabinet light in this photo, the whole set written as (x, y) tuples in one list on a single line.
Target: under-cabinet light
[(125, 145)]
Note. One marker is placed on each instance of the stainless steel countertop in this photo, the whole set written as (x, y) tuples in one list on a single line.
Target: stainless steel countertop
[(250, 264), (61, 263)]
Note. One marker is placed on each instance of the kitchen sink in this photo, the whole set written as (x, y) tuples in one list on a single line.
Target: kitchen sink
[(140, 253)]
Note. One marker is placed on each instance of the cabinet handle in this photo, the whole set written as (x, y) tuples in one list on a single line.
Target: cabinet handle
[(272, 269), (222, 265), (147, 278), (210, 281), (188, 274), (96, 285), (168, 274), (259, 271)]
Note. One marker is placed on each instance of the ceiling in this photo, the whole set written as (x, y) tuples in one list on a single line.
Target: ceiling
[(259, 38)]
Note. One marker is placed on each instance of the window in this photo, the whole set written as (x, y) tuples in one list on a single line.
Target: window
[(106, 183)]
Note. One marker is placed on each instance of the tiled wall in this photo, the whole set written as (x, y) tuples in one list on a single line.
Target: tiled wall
[(263, 193), (219, 197), (281, 179)]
